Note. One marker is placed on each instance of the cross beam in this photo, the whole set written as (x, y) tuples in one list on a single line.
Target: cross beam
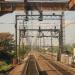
[(39, 30), (10, 6), (52, 30), (40, 36)]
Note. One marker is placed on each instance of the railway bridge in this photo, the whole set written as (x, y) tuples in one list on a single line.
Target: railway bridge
[(40, 63), (8, 6)]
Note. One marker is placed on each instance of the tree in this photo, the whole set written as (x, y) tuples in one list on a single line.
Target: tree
[(6, 41), (6, 46), (68, 49)]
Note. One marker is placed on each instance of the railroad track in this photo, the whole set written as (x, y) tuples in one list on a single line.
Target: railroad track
[(31, 67), (60, 68)]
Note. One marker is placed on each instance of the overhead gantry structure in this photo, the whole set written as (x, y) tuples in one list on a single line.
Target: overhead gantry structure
[(41, 17), (40, 6), (10, 6)]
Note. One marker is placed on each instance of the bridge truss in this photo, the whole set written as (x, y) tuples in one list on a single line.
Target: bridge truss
[(55, 32)]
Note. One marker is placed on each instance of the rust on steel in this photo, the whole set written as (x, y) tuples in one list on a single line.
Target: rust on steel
[(10, 6), (72, 4), (7, 6)]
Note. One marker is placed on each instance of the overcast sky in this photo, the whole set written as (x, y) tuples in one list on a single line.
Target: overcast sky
[(7, 24)]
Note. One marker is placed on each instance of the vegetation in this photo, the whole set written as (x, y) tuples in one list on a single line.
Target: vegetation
[(4, 66), (4, 56), (24, 50), (7, 44), (67, 49)]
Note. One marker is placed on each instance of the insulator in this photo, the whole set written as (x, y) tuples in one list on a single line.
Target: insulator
[(53, 14), (41, 16), (24, 31), (26, 19), (39, 29)]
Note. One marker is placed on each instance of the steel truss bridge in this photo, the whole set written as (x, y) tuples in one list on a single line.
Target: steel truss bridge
[(40, 6), (10, 6), (55, 32)]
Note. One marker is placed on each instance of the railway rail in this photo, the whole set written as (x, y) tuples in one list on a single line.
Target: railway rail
[(38, 64), (59, 67), (31, 67), (44, 67)]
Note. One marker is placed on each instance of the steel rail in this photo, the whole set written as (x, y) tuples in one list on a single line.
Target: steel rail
[(61, 69), (51, 66), (31, 67)]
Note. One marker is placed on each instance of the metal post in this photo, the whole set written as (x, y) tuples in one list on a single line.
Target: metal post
[(19, 46), (43, 40), (51, 44), (60, 39), (16, 36), (40, 42)]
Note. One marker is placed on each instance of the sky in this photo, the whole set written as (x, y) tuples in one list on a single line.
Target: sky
[(7, 24), (70, 27)]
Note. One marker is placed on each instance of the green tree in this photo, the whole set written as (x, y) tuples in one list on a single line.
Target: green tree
[(6, 41), (68, 48), (7, 44)]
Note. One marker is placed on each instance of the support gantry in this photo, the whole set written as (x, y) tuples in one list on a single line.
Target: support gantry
[(10, 6), (55, 30), (40, 6)]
